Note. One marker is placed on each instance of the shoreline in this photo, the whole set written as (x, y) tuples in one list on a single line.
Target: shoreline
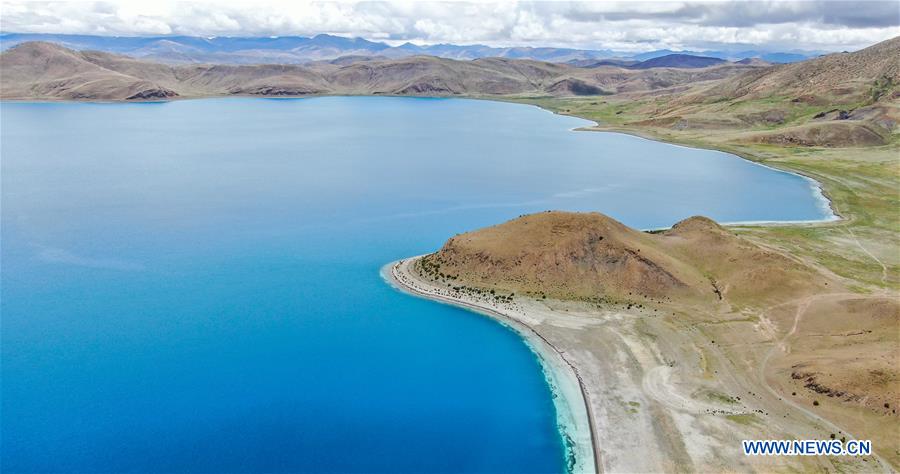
[(822, 194), (819, 194), (575, 420), (825, 203), (627, 380)]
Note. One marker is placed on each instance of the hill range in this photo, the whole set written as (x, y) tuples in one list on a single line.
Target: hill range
[(38, 70), (300, 49)]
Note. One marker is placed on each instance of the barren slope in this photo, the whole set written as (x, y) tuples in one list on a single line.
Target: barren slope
[(590, 256), (45, 71), (789, 328), (838, 77)]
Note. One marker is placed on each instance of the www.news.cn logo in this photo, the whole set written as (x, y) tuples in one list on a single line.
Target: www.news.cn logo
[(806, 447)]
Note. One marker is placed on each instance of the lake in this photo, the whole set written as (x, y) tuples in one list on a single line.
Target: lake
[(194, 286)]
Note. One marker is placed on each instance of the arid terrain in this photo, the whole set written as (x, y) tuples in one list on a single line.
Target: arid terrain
[(46, 71), (685, 341)]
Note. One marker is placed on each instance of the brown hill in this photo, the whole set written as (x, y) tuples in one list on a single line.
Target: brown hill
[(268, 80), (835, 78), (587, 256), (426, 75), (45, 71), (838, 100), (829, 134), (678, 60), (618, 79)]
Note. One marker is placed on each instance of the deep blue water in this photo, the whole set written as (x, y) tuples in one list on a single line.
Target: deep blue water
[(194, 286)]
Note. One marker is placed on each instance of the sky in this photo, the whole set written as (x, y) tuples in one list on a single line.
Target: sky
[(630, 26)]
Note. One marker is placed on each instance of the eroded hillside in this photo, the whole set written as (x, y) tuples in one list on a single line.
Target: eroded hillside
[(38, 70)]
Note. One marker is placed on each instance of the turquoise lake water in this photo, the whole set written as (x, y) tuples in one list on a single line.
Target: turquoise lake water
[(194, 286)]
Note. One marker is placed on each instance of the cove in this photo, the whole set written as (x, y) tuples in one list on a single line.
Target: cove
[(194, 285)]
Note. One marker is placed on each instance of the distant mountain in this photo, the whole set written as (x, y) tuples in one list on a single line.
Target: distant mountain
[(683, 61), (679, 61), (284, 49), (299, 49), (856, 93), (592, 63), (770, 57), (753, 61), (839, 78), (41, 70), (781, 58)]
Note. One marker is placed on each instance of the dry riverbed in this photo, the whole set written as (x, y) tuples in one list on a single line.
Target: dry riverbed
[(664, 390)]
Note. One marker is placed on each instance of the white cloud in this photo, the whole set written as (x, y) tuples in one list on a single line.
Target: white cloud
[(628, 26)]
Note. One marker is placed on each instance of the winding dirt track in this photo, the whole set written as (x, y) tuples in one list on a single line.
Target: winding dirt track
[(784, 345), (884, 269)]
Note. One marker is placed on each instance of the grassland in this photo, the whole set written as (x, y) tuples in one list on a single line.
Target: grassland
[(862, 183)]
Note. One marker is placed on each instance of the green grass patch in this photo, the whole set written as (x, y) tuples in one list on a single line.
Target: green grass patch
[(721, 398), (746, 419)]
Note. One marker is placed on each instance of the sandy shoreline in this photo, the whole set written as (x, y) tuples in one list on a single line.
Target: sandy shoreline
[(574, 417), (640, 391), (820, 194)]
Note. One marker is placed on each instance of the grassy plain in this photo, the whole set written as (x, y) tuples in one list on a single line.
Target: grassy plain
[(862, 183)]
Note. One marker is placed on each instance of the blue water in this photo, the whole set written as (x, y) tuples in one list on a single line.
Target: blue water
[(194, 286)]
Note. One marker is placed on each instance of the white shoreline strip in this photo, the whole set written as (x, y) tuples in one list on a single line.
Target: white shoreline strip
[(825, 204), (574, 417), (761, 223)]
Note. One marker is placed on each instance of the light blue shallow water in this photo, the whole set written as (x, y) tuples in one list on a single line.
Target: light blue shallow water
[(194, 286)]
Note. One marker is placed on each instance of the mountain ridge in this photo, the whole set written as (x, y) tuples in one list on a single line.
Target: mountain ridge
[(836, 100), (40, 70), (300, 49)]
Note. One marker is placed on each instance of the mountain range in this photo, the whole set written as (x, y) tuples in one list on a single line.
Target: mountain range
[(299, 49), (40, 70)]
